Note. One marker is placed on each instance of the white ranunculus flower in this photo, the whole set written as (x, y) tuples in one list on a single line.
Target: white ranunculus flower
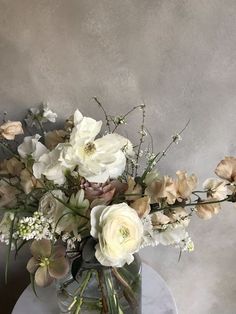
[(98, 159), (216, 188), (32, 147), (119, 231), (49, 165)]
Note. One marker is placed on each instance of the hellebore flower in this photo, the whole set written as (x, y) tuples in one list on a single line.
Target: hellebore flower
[(48, 263)]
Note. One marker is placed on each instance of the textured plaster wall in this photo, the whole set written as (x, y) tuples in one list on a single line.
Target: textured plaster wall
[(179, 57)]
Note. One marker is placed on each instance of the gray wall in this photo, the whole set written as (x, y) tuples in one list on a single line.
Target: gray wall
[(179, 57)]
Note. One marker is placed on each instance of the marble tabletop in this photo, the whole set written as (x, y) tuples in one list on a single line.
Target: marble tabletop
[(156, 297)]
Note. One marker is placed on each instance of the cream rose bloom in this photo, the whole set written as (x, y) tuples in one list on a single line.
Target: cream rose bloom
[(119, 231), (10, 129), (51, 207)]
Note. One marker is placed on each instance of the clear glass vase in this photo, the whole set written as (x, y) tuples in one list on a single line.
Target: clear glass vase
[(98, 289)]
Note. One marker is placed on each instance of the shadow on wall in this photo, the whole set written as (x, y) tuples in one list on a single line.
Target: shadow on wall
[(17, 280)]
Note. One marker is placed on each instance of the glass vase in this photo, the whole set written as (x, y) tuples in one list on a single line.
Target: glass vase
[(98, 289)]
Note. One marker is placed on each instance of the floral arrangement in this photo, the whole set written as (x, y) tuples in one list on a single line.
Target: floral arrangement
[(80, 193)]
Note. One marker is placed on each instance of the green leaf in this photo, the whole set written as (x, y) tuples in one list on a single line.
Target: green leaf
[(19, 247), (75, 267), (70, 207), (88, 252)]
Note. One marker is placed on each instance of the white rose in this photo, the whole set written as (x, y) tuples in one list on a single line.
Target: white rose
[(32, 147), (119, 231), (51, 207)]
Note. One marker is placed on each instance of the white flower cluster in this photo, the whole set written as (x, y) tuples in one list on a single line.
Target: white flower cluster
[(5, 226), (36, 227), (70, 240), (167, 234), (148, 234), (186, 244)]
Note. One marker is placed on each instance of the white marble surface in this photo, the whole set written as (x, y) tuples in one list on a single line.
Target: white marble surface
[(156, 297)]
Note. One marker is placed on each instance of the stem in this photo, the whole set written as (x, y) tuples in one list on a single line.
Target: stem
[(172, 142), (41, 127), (125, 115), (70, 207), (4, 146), (128, 293), (104, 301), (141, 138), (162, 154), (78, 300), (104, 111), (157, 208)]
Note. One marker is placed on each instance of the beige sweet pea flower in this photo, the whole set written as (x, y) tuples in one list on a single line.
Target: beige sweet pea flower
[(206, 211), (10, 129), (162, 189), (142, 206), (133, 188), (48, 263), (216, 188), (28, 181), (53, 138), (11, 167), (226, 169), (185, 184), (160, 220)]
